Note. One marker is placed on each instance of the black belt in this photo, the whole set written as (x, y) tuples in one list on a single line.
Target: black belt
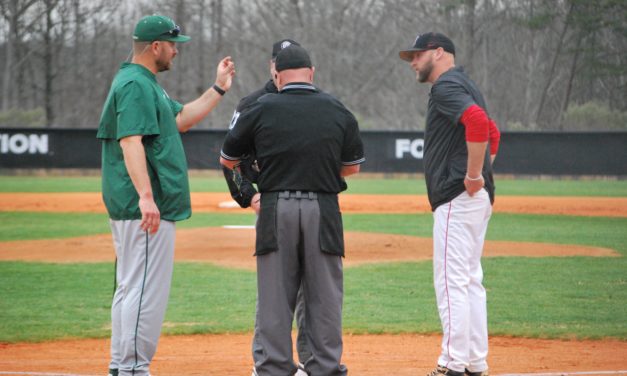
[(298, 195)]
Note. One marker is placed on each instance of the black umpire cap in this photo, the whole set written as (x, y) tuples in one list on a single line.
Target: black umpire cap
[(428, 41), (292, 57), (279, 45)]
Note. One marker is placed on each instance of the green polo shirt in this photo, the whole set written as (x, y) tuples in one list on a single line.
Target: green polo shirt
[(138, 105)]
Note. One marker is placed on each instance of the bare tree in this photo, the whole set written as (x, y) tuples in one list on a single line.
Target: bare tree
[(558, 49), (12, 11), (533, 59), (469, 33), (49, 75)]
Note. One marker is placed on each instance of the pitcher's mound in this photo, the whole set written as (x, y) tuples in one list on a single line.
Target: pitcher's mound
[(234, 247)]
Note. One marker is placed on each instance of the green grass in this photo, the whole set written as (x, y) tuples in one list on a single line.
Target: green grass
[(45, 301), (544, 297), (548, 297), (390, 298), (557, 297), (211, 299), (579, 297), (31, 226), (49, 184), (529, 187), (218, 219), (593, 231), (89, 184), (524, 187)]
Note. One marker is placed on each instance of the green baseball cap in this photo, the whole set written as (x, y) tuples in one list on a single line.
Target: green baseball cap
[(158, 27)]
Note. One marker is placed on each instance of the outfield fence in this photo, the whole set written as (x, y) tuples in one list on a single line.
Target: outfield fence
[(525, 153)]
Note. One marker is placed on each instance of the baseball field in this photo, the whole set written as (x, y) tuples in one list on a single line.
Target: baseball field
[(554, 261)]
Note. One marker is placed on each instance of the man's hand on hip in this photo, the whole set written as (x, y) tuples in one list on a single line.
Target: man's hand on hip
[(473, 185)]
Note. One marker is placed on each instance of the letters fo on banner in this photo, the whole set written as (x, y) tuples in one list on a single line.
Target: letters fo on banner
[(414, 147)]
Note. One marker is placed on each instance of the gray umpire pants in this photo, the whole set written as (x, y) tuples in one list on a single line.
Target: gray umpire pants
[(302, 348), (279, 276), (143, 275)]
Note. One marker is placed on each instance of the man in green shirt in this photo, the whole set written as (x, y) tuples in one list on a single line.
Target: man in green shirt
[(145, 186)]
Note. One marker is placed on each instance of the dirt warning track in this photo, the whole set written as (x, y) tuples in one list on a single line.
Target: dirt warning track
[(364, 355)]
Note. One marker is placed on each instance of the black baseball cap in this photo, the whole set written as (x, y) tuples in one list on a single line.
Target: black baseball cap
[(428, 41), (279, 45), (292, 57)]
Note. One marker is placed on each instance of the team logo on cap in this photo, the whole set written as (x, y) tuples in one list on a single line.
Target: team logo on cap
[(286, 44)]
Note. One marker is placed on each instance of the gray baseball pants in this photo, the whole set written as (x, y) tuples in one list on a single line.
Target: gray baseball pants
[(144, 271), (279, 276), (302, 348)]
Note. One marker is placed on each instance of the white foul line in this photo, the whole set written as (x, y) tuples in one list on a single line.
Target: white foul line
[(503, 374), (238, 227), (566, 373)]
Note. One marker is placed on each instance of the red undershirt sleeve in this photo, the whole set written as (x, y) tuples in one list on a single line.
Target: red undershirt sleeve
[(477, 124), (495, 137)]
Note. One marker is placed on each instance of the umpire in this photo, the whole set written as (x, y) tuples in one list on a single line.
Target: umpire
[(305, 142), (240, 181)]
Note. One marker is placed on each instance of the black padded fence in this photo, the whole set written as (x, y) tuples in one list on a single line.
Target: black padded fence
[(538, 153)]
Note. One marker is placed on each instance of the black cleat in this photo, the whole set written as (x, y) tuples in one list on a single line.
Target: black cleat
[(443, 371)]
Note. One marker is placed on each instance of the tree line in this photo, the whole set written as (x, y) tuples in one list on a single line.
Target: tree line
[(541, 64)]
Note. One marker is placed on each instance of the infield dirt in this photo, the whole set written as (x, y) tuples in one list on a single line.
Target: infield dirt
[(350, 203), (366, 355)]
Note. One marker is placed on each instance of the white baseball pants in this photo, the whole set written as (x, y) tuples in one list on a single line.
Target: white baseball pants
[(458, 235)]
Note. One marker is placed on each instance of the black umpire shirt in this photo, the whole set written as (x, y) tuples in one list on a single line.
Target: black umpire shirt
[(302, 137), (446, 152), (241, 185), (251, 98)]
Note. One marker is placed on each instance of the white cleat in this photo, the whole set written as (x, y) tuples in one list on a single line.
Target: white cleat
[(301, 370)]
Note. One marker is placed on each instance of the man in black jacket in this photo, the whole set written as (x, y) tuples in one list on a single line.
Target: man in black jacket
[(461, 142)]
